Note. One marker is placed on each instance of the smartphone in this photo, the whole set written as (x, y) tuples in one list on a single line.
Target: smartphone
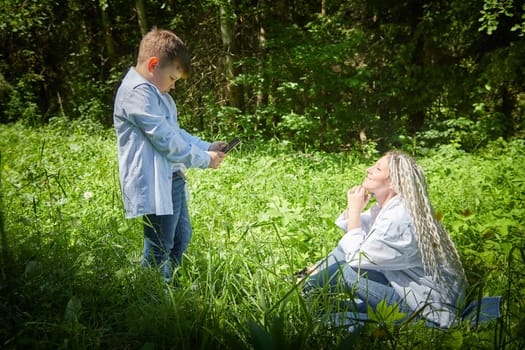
[(230, 145)]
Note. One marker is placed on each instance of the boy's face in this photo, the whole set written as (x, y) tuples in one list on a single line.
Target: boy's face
[(164, 77)]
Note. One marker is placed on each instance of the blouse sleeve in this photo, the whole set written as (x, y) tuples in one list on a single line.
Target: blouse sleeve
[(389, 245), (342, 223)]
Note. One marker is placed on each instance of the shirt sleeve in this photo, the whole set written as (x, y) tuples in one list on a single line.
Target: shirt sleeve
[(341, 222), (389, 245), (143, 109), (366, 218), (192, 139)]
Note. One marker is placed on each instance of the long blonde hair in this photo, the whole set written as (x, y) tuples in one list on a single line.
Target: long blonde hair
[(435, 245)]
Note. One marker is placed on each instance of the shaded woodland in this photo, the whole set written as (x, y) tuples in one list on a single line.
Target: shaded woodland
[(328, 73)]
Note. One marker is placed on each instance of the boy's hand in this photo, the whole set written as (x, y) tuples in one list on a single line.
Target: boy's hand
[(216, 159), (217, 146)]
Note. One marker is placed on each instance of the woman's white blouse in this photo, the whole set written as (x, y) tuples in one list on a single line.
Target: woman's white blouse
[(387, 242)]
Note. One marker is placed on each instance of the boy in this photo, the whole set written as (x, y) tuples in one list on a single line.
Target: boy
[(154, 152)]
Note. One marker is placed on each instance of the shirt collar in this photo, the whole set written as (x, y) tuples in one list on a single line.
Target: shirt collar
[(136, 79)]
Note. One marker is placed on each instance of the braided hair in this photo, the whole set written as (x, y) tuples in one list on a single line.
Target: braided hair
[(437, 250)]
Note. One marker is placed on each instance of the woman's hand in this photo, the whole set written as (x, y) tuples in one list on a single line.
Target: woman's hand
[(304, 273), (357, 199)]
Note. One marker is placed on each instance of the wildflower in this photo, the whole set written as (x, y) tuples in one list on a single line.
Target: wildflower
[(88, 195)]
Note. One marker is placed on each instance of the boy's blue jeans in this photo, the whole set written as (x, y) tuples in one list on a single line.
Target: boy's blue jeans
[(166, 237)]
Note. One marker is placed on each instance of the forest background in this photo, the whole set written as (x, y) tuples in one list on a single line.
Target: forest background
[(316, 90), (328, 74)]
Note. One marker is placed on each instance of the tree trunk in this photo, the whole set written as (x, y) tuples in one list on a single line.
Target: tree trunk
[(106, 25), (262, 94), (282, 11), (109, 60), (141, 13), (233, 93), (506, 107)]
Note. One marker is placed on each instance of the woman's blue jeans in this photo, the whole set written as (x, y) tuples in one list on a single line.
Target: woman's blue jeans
[(368, 286), (166, 237)]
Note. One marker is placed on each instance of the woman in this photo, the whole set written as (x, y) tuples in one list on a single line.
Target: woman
[(396, 250)]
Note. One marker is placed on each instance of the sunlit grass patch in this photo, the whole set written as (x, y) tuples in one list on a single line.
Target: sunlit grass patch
[(71, 278)]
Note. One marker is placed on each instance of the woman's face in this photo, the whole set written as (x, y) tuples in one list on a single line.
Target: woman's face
[(377, 177)]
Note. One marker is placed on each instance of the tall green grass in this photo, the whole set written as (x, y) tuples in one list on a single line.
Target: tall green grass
[(70, 275)]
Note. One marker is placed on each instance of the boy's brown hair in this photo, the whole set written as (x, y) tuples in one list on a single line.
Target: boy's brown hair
[(167, 47)]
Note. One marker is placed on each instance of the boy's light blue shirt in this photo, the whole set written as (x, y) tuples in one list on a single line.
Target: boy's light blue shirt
[(151, 146)]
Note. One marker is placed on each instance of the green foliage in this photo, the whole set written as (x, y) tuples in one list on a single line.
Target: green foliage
[(460, 132), (493, 10), (288, 71), (70, 275), (484, 229), (312, 81), (22, 104)]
